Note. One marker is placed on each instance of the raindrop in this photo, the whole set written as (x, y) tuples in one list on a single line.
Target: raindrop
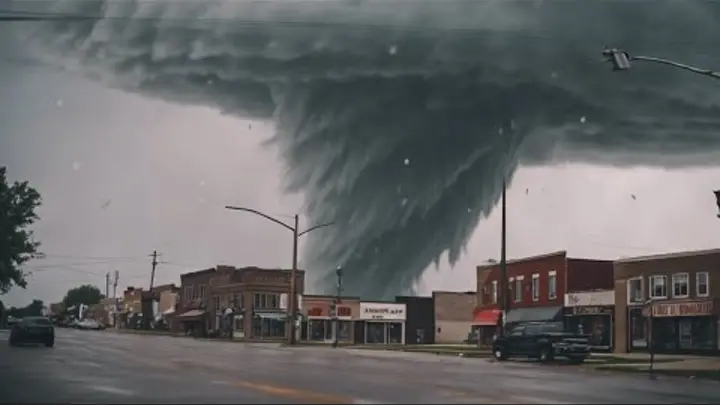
[(469, 209), (554, 75), (407, 162), (76, 165), (404, 202), (583, 119), (512, 125), (392, 50), (210, 82), (60, 103), (202, 183), (500, 131)]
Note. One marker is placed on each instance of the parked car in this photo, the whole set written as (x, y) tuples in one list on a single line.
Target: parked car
[(543, 341), (89, 324), (33, 329)]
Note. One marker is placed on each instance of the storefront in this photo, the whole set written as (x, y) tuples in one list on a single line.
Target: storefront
[(533, 314), (384, 322), (323, 325), (485, 324), (591, 313), (684, 327), (269, 324)]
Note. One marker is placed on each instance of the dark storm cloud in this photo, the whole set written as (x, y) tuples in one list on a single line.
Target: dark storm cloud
[(398, 120)]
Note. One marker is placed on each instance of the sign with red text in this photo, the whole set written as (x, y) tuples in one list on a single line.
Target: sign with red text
[(675, 309)]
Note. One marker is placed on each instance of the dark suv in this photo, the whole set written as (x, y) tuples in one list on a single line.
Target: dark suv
[(33, 329), (543, 341)]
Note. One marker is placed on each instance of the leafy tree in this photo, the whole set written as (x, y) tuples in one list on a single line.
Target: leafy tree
[(18, 202), (35, 308), (85, 294)]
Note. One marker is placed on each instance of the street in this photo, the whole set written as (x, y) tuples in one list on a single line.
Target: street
[(107, 367)]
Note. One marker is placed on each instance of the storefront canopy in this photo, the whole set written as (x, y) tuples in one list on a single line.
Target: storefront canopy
[(278, 316), (533, 314), (190, 315), (487, 317)]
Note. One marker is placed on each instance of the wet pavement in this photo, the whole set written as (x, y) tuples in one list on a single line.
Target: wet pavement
[(107, 367)]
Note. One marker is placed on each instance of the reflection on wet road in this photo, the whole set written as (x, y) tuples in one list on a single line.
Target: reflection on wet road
[(106, 367)]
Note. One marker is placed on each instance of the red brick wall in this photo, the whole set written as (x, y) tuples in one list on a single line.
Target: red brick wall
[(526, 268), (589, 275)]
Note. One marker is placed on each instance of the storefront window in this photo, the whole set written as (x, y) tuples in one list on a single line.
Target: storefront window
[(268, 327), (375, 332), (665, 334), (344, 328), (394, 333), (598, 327)]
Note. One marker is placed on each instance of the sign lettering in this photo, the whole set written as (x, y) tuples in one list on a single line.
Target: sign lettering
[(315, 311), (592, 310), (344, 311), (683, 309)]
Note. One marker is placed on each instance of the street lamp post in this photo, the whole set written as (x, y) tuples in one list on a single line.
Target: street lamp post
[(621, 60), (292, 311), (648, 304), (336, 302)]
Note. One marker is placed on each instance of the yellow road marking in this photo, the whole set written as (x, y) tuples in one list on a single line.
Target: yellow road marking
[(310, 397)]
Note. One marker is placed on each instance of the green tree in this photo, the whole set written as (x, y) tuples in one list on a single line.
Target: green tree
[(85, 294), (18, 202)]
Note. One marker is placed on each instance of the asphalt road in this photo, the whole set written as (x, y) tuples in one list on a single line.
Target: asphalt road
[(106, 367)]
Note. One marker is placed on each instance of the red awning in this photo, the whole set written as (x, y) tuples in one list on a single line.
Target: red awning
[(486, 317)]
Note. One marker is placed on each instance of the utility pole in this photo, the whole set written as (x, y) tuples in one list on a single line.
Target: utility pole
[(115, 283), (295, 229), (107, 285), (504, 287), (717, 200), (336, 302), (115, 299), (154, 265)]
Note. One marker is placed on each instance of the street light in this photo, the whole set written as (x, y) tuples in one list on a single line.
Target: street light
[(336, 301), (293, 273), (649, 307), (621, 60), (504, 286)]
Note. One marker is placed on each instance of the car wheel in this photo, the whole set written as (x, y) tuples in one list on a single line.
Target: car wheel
[(577, 360), (545, 354), (50, 343), (499, 353), (12, 341)]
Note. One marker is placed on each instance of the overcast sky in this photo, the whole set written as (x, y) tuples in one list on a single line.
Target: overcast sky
[(121, 175)]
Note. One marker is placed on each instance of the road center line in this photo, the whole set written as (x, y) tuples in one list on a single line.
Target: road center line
[(297, 394)]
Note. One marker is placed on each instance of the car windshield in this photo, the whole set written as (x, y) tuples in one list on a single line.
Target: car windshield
[(36, 321)]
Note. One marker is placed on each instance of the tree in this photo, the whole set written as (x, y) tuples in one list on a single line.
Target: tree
[(35, 308), (85, 294), (18, 202)]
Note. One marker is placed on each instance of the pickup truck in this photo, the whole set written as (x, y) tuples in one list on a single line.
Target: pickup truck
[(543, 341)]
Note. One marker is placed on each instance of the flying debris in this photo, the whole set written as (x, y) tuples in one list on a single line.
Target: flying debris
[(633, 196), (344, 114)]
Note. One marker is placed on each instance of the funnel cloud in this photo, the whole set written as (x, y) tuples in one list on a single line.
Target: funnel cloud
[(398, 120)]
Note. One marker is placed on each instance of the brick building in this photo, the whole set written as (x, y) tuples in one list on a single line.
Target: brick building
[(537, 286), (453, 315), (669, 301), (248, 302)]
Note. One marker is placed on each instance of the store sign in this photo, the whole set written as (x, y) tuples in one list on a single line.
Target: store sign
[(703, 308), (382, 311), (590, 298), (593, 310)]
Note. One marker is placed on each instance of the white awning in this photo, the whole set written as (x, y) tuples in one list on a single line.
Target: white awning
[(191, 314), (169, 311)]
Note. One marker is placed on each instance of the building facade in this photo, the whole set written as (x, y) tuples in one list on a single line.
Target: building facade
[(536, 287), (668, 301), (319, 320), (191, 316), (453, 315), (419, 319), (381, 323), (242, 303)]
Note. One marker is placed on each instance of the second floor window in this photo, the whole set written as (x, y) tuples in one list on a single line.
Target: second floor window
[(266, 300), (680, 285), (552, 285), (217, 303), (658, 287), (518, 289), (189, 293), (494, 292), (202, 290), (536, 287), (703, 284), (635, 290)]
